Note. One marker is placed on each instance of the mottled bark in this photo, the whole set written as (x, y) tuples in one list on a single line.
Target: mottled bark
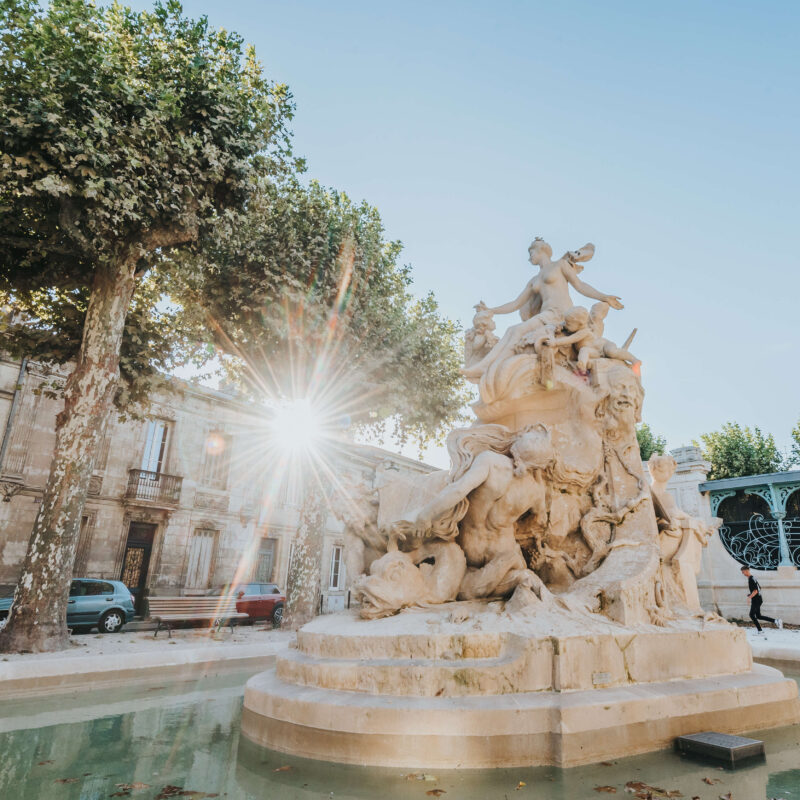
[(37, 621), (303, 583)]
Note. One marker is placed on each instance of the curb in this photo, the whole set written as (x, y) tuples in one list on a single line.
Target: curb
[(23, 679)]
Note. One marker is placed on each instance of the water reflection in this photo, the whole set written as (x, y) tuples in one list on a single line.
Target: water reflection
[(140, 742)]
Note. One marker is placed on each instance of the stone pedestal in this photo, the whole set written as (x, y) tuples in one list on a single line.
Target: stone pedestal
[(507, 687)]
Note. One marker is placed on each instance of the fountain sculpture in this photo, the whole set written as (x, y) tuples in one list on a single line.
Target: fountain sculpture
[(537, 602)]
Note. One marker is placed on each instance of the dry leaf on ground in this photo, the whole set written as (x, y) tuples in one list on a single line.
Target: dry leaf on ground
[(284, 768), (726, 796), (710, 781), (435, 792), (520, 785), (609, 789)]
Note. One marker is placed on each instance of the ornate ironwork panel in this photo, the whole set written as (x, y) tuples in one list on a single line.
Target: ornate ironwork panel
[(764, 492), (784, 492), (717, 498), (754, 543), (154, 487), (132, 568), (791, 526)]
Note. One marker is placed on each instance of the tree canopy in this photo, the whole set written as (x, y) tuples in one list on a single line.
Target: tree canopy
[(301, 294), (649, 442), (123, 134), (736, 451)]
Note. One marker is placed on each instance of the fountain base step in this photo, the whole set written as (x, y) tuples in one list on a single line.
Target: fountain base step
[(507, 730)]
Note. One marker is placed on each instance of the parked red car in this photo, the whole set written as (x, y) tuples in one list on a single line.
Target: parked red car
[(259, 601)]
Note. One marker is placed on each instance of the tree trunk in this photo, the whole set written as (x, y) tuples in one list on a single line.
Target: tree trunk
[(303, 583), (37, 621)]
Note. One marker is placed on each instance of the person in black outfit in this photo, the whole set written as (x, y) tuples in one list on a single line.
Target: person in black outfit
[(756, 600)]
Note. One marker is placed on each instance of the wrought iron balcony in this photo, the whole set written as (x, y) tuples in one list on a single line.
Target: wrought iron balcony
[(155, 488)]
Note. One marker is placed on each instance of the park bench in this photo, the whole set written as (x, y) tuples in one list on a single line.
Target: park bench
[(166, 611)]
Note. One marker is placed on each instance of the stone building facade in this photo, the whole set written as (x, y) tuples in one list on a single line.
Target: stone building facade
[(186, 500)]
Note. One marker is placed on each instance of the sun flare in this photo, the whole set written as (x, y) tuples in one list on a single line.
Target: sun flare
[(296, 426)]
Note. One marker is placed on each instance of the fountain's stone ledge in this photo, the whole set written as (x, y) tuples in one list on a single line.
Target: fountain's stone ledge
[(433, 654), (473, 685)]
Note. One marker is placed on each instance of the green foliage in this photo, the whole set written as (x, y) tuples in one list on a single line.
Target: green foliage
[(793, 457), (122, 135), (649, 442), (736, 451), (301, 295)]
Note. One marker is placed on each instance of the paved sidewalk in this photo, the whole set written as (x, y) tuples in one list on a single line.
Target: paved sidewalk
[(776, 648), (95, 660)]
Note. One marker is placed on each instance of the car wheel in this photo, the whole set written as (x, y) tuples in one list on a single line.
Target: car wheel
[(277, 617), (111, 622)]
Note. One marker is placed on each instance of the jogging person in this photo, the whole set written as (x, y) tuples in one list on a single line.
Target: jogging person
[(756, 600)]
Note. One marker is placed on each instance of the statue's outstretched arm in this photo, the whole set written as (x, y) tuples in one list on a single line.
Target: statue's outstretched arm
[(455, 492), (589, 291), (514, 305)]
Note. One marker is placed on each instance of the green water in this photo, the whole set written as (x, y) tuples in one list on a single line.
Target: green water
[(183, 742)]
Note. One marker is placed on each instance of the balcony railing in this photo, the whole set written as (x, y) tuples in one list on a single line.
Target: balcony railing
[(154, 487)]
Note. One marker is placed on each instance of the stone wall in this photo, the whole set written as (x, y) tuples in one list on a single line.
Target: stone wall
[(230, 489), (720, 583)]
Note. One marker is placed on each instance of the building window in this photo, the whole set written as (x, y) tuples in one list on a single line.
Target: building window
[(155, 446), (84, 543), (265, 561), (336, 568), (101, 458), (217, 461), (290, 489), (202, 547)]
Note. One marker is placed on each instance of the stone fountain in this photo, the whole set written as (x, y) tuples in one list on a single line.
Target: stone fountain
[(537, 602)]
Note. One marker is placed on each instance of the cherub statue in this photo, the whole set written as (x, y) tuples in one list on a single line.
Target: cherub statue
[(585, 333), (480, 338), (601, 346)]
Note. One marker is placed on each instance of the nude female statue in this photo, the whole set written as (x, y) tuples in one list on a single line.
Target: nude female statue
[(543, 302)]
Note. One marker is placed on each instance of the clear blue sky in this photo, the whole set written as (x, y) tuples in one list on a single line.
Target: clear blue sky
[(667, 134)]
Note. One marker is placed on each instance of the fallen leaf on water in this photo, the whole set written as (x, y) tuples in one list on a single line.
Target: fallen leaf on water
[(42, 763), (120, 794), (643, 791), (609, 789), (284, 768), (128, 786), (520, 785), (65, 780), (170, 791), (435, 792)]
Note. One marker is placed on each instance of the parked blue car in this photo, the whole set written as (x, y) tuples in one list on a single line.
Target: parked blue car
[(108, 605)]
